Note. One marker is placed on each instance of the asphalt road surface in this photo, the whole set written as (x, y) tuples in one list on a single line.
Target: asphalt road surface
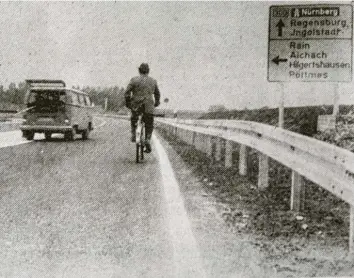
[(86, 209)]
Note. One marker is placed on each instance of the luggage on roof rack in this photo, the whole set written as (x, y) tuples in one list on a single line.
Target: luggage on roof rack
[(45, 83)]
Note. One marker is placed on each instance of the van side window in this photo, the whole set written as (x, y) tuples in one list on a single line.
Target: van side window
[(62, 97), (75, 99), (81, 99), (31, 98), (88, 101)]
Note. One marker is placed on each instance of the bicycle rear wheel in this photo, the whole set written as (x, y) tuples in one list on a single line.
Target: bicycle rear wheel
[(141, 152), (138, 142), (142, 142), (138, 152)]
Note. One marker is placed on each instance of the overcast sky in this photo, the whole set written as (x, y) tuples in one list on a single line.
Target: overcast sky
[(201, 53)]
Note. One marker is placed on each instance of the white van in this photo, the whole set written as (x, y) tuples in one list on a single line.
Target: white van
[(53, 108)]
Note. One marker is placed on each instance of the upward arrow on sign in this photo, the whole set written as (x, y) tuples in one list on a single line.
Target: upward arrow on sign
[(280, 26)]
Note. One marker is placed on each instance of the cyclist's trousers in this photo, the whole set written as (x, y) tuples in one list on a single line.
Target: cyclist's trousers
[(148, 120)]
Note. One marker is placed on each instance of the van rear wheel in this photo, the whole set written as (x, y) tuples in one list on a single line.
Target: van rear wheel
[(29, 135), (48, 135), (70, 135), (85, 134)]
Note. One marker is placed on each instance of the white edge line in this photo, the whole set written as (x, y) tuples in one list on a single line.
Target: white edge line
[(186, 254)]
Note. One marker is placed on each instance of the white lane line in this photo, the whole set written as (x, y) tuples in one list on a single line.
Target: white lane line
[(103, 122), (186, 254), (12, 138)]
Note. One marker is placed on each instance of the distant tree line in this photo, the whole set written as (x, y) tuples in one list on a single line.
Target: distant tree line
[(13, 96), (114, 95), (217, 108)]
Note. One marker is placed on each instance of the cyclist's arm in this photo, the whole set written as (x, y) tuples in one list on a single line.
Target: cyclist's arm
[(157, 95), (128, 90), (128, 94)]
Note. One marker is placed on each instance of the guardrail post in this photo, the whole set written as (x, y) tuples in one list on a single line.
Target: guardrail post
[(351, 230), (242, 162), (208, 145), (263, 177), (218, 142), (194, 135), (190, 137), (202, 142), (199, 141), (205, 143), (212, 143), (228, 154), (297, 191)]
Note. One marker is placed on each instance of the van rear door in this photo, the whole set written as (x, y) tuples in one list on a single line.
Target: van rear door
[(46, 106)]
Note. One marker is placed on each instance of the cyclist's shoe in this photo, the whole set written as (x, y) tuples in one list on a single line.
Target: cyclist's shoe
[(147, 146), (133, 138)]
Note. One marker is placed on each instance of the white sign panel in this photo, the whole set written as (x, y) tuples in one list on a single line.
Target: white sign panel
[(310, 43)]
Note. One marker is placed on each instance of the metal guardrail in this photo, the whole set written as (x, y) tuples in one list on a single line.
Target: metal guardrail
[(125, 117), (327, 165), (8, 111), (14, 124)]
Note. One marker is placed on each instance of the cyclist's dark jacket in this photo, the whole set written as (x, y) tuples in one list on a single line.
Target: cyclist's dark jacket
[(141, 89)]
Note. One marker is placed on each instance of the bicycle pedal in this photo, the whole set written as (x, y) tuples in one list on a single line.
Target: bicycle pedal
[(147, 148)]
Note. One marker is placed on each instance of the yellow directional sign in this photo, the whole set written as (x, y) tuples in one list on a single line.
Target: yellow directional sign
[(310, 43)]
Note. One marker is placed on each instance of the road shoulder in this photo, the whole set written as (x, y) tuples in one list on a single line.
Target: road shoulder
[(224, 253)]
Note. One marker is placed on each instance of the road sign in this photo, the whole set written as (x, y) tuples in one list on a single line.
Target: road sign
[(310, 43)]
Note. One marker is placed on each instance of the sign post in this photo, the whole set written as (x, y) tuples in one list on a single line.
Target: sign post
[(105, 104), (281, 106), (310, 43), (335, 100), (166, 100)]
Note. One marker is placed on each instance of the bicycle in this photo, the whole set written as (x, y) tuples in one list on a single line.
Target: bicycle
[(140, 138)]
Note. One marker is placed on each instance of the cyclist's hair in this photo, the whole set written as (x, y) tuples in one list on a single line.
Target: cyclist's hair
[(144, 68)]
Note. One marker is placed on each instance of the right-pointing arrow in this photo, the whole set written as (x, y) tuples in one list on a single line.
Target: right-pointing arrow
[(277, 60)]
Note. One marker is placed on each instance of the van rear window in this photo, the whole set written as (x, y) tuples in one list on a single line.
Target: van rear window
[(87, 101), (46, 100)]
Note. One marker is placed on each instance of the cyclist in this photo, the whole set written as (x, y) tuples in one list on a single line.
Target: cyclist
[(143, 93)]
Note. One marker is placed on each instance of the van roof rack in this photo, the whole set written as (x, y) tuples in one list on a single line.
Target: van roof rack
[(45, 83)]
